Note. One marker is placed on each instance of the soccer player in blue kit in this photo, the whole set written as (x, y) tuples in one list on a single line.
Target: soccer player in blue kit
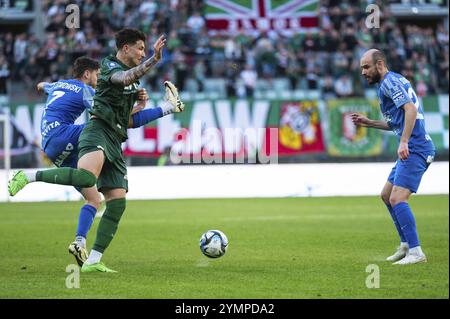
[(403, 114), (67, 100)]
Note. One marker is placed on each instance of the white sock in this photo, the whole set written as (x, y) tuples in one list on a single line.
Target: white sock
[(166, 107), (416, 251), (404, 244), (81, 241), (31, 176), (94, 257)]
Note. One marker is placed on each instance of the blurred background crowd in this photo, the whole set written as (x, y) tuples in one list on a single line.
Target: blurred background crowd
[(235, 64)]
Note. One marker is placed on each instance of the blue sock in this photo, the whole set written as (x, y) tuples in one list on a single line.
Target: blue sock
[(87, 214), (397, 225), (145, 116), (407, 223)]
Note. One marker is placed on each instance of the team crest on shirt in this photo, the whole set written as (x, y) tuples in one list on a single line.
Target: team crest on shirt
[(112, 65), (387, 117)]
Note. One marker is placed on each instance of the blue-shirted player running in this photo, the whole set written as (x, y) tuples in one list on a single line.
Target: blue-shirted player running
[(67, 100), (404, 115)]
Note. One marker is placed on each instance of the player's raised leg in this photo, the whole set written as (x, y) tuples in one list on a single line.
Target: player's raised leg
[(399, 202), (19, 180), (173, 97), (62, 176), (402, 249)]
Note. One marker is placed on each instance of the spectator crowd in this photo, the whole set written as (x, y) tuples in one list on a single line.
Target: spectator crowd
[(326, 60)]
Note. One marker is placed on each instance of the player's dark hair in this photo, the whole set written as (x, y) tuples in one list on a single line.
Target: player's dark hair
[(379, 55), (82, 64), (128, 36)]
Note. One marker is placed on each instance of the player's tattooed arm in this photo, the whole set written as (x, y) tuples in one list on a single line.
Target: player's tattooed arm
[(133, 74)]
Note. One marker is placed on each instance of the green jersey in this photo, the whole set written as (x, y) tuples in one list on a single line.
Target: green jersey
[(113, 102)]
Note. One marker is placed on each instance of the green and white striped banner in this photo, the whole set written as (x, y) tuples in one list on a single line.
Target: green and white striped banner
[(436, 122)]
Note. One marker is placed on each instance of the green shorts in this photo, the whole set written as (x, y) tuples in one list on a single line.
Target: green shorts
[(97, 135)]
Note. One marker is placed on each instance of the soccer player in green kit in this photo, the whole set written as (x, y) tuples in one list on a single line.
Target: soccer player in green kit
[(100, 158)]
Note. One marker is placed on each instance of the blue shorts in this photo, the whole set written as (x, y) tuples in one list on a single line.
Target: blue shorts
[(62, 146), (408, 173)]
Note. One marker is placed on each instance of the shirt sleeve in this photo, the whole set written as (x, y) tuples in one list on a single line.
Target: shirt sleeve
[(110, 68), (393, 89), (88, 97), (48, 87)]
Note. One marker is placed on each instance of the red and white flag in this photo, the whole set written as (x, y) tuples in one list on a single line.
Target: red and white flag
[(285, 16)]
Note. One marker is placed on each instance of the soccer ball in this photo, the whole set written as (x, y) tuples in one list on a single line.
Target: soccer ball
[(213, 243)]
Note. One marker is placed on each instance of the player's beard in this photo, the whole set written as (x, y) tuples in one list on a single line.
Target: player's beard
[(136, 61), (376, 77), (92, 83), (132, 61)]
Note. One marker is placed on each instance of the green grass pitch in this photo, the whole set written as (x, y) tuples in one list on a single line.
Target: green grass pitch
[(279, 248)]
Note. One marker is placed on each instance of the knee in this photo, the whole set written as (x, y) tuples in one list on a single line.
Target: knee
[(394, 200), (385, 197), (86, 178), (94, 200), (115, 208), (117, 203)]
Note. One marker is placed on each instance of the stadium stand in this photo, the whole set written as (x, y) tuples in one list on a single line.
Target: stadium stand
[(321, 65), (306, 62)]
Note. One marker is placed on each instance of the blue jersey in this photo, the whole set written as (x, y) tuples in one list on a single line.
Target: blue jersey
[(67, 100), (394, 91)]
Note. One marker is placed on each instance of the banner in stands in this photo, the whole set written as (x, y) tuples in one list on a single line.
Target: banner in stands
[(346, 139), (226, 128), (436, 123), (262, 15), (19, 143), (232, 129), (242, 127), (300, 130)]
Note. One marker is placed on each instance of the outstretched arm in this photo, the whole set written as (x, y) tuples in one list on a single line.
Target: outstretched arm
[(133, 74), (40, 86), (361, 120)]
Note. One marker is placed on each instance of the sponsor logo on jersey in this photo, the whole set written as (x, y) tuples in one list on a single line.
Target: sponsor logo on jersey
[(49, 127), (61, 158)]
